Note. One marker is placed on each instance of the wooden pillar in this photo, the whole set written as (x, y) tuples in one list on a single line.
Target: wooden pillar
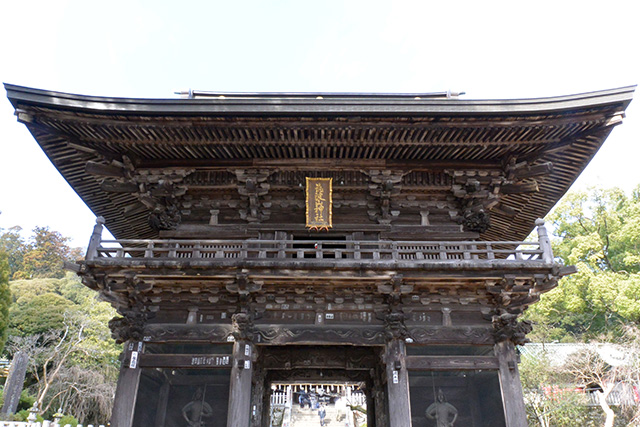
[(510, 386), (127, 388), (163, 400), (239, 413), (371, 407), (397, 384), (258, 396)]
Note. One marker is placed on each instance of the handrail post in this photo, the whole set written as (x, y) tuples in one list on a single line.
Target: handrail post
[(148, 253), (95, 240), (544, 241)]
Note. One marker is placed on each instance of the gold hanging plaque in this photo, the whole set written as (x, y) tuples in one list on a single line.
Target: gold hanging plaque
[(319, 203)]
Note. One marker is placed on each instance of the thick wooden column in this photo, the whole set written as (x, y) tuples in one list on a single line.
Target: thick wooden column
[(127, 388), (257, 400), (510, 386), (397, 384), (239, 413), (163, 400)]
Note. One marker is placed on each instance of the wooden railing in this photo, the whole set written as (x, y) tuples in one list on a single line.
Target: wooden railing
[(309, 250), (416, 251)]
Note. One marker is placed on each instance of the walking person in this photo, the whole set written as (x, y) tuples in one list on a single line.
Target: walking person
[(322, 412)]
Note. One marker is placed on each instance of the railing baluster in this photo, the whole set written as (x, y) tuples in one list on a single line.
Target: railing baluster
[(519, 254), (490, 254), (243, 251), (149, 252), (420, 251), (196, 250)]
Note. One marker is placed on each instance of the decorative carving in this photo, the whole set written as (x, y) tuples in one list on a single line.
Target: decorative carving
[(242, 327), (384, 185), (218, 333), (129, 327), (395, 327), (156, 189), (252, 185), (350, 335), (506, 327), (478, 221), (165, 218), (243, 285), (451, 335)]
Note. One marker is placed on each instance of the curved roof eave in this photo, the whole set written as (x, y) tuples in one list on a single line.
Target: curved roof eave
[(300, 104)]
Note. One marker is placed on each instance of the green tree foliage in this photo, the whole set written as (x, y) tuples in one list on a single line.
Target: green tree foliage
[(5, 297), (12, 242), (599, 233), (42, 256), (48, 252), (74, 361)]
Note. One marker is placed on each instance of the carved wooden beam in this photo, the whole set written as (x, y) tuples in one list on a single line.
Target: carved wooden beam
[(252, 186)]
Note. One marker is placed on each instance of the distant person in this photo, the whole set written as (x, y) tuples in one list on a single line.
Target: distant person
[(304, 399), (313, 400), (442, 411), (341, 406), (322, 413)]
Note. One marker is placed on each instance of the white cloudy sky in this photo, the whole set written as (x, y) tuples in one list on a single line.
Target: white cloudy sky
[(510, 49)]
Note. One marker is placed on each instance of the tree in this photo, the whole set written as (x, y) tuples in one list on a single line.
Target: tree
[(47, 255), (5, 297), (42, 256), (550, 397), (39, 314), (599, 232), (68, 372), (75, 360), (12, 242)]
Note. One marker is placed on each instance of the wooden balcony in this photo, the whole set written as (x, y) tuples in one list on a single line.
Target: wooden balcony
[(283, 257), (310, 251)]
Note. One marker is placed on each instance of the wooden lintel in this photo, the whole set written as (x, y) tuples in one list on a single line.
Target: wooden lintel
[(533, 171), (94, 168), (451, 363), (315, 164), (119, 187), (520, 188), (185, 361)]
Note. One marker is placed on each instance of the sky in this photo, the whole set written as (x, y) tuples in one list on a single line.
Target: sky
[(150, 49)]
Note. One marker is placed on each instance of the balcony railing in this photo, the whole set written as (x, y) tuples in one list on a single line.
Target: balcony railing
[(304, 249), (309, 250)]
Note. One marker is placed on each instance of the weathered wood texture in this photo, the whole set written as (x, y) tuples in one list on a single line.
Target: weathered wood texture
[(126, 389), (397, 384), (239, 413), (187, 361), (450, 363), (510, 385), (347, 251), (239, 132)]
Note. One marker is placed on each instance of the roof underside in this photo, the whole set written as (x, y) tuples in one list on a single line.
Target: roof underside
[(387, 131)]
